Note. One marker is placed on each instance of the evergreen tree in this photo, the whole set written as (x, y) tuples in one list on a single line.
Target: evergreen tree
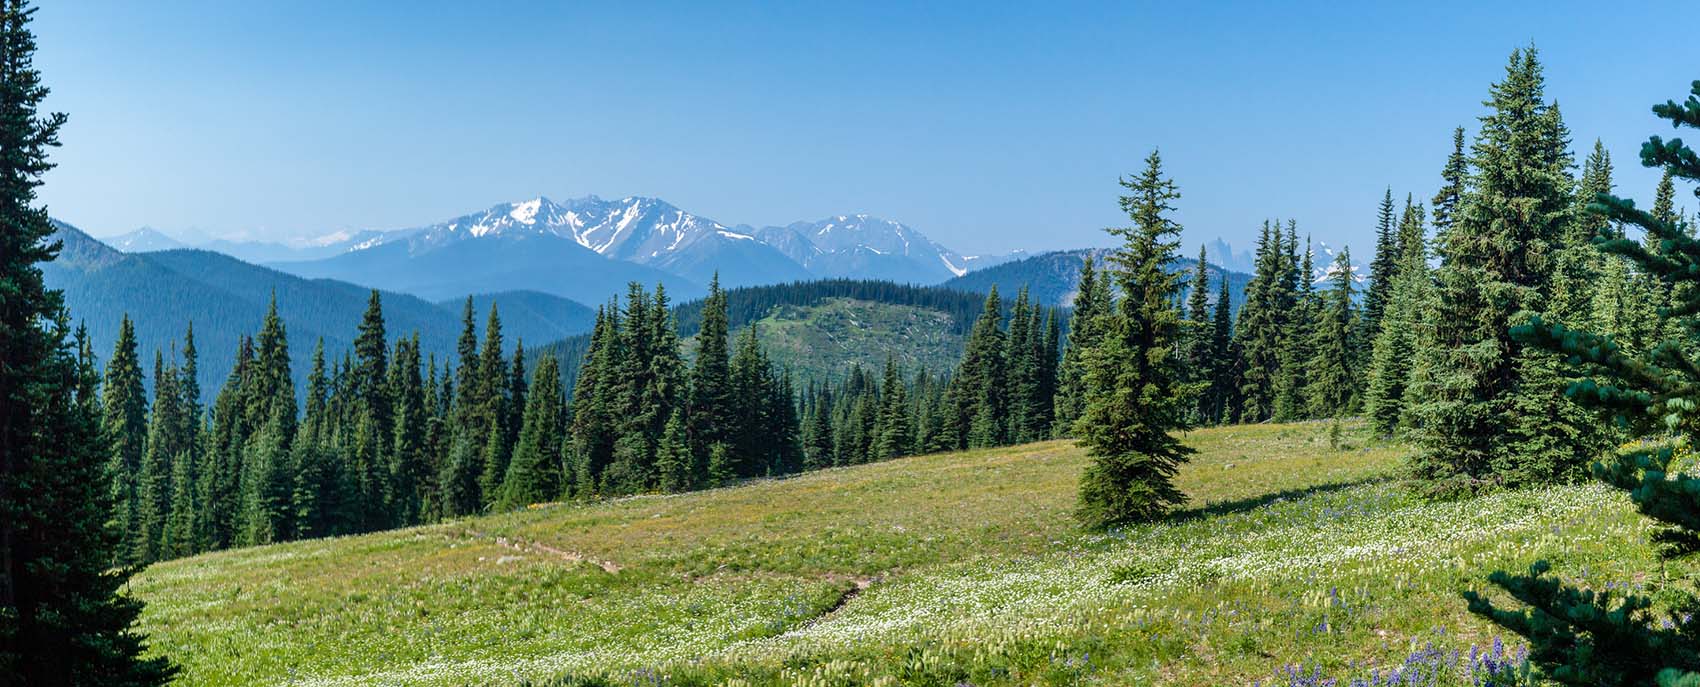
[(491, 423), (1334, 385), (126, 431), (895, 428), (708, 409), (1091, 301), (1482, 416), (63, 620), (1449, 200), (534, 474), (1298, 338), (594, 406), (1219, 396), (1262, 326), (1382, 267), (409, 468), (1390, 363), (1583, 636), (373, 419), (1136, 396), (981, 377), (62, 616), (1198, 362), (165, 443), (673, 456)]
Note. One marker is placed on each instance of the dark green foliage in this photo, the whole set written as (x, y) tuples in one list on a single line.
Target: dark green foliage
[(1383, 266), (63, 620), (1390, 365), (534, 474), (1135, 393), (1334, 376), (1582, 636), (1486, 411), (1092, 301), (126, 429)]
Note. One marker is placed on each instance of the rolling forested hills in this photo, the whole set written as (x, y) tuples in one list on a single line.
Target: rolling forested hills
[(225, 298)]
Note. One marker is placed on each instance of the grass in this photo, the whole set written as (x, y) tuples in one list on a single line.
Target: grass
[(943, 569)]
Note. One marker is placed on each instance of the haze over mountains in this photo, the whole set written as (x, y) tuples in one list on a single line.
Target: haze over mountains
[(576, 248)]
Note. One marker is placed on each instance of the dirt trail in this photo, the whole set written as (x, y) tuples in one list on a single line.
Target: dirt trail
[(523, 546)]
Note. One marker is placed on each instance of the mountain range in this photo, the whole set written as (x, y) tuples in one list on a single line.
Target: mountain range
[(226, 299), (587, 248)]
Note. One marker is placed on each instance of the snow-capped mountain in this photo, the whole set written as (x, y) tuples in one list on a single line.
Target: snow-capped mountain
[(646, 231), (1323, 264), (503, 247), (143, 240), (652, 232), (865, 246)]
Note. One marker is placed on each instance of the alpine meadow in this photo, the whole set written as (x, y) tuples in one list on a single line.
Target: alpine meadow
[(1354, 365)]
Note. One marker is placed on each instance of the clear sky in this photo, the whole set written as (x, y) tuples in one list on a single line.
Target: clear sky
[(988, 127)]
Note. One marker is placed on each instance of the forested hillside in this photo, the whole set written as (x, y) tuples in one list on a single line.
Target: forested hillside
[(1054, 278), (800, 313)]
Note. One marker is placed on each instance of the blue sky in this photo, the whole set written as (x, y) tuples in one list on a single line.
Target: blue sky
[(988, 127)]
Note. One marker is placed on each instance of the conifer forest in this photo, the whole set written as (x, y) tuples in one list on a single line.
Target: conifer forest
[(1457, 451)]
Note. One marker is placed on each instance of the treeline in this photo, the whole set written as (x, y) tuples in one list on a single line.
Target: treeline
[(387, 437)]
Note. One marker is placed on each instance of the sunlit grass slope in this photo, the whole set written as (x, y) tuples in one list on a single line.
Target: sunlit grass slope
[(939, 569)]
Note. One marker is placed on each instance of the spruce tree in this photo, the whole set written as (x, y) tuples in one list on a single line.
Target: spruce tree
[(165, 443), (1581, 636), (126, 431), (1395, 346), (1136, 394), (1198, 363), (1449, 200), (63, 620), (982, 374), (1219, 396), (373, 419), (1334, 375), (534, 474), (410, 472), (673, 456), (895, 430), (1487, 411), (1262, 325), (1298, 338), (490, 431), (708, 408), (1382, 266), (1090, 301)]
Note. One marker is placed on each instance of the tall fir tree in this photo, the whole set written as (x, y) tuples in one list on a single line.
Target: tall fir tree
[(1333, 369), (1220, 395), (708, 409), (895, 434), (1091, 301), (1136, 394), (1449, 200), (63, 620), (1624, 635), (534, 474), (1389, 373), (980, 379), (1383, 266), (1486, 410), (126, 432)]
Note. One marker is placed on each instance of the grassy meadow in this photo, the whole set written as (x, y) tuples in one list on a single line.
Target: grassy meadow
[(966, 568)]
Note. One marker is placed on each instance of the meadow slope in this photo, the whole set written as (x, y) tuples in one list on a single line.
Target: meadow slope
[(942, 569)]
